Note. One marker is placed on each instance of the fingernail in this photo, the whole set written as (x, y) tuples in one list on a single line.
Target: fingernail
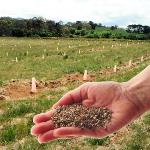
[(40, 142), (53, 110), (32, 133), (55, 106)]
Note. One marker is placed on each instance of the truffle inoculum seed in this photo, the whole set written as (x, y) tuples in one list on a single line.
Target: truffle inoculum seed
[(77, 115)]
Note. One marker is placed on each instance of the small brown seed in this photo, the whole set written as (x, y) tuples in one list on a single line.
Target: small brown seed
[(80, 116)]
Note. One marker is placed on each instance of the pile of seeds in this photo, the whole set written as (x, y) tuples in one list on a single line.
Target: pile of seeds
[(77, 115)]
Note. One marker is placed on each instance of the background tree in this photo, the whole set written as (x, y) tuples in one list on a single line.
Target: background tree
[(41, 27)]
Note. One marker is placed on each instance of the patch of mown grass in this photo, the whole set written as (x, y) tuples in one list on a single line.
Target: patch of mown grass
[(100, 142), (15, 109), (139, 139), (146, 119), (1, 83), (124, 75), (19, 108), (52, 95), (54, 66), (31, 143), (7, 135), (134, 146), (13, 132)]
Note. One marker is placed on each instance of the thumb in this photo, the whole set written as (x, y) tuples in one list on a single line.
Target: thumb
[(75, 96), (69, 98), (88, 102)]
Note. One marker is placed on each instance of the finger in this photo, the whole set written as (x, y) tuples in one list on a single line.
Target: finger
[(43, 117), (48, 136), (77, 132), (42, 128), (101, 133), (73, 131), (74, 96), (69, 98)]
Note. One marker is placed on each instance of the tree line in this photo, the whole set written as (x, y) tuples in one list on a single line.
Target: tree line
[(40, 27)]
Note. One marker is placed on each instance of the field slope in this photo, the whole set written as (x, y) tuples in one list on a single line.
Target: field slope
[(58, 65)]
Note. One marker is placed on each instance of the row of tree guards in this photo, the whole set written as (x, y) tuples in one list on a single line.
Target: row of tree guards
[(129, 64), (34, 82), (79, 51), (85, 76)]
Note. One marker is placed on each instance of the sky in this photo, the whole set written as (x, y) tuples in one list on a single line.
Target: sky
[(107, 12)]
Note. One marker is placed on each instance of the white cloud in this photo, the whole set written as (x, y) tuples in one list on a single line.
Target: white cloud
[(121, 12)]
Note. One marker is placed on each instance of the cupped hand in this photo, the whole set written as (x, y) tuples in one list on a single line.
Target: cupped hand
[(110, 95)]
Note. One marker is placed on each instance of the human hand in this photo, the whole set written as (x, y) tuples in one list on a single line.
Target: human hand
[(111, 95)]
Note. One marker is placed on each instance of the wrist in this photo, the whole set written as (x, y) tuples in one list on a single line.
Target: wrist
[(139, 94)]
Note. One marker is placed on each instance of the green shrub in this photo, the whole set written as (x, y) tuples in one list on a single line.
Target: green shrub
[(90, 36), (18, 32), (45, 34), (78, 32), (72, 31), (140, 37), (132, 36), (83, 32), (106, 34), (96, 35)]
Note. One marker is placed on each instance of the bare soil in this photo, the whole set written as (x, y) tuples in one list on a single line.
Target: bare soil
[(21, 89)]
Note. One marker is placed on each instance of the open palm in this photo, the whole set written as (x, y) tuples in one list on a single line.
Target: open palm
[(111, 95)]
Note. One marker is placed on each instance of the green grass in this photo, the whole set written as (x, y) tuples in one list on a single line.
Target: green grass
[(54, 66), (139, 138), (1, 83), (147, 119), (101, 142), (14, 132), (20, 108)]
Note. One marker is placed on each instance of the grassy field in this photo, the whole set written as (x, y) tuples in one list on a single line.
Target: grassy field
[(55, 59)]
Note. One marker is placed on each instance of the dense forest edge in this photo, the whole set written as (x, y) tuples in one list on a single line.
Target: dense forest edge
[(40, 27)]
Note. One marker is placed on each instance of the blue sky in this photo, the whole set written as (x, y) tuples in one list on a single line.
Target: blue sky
[(107, 12)]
